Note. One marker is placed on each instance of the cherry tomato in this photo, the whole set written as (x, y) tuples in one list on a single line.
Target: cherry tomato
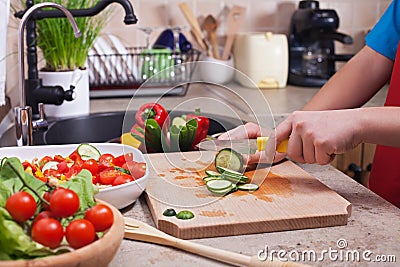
[(96, 179), (64, 202), (63, 167), (137, 169), (100, 216), (21, 206), (91, 165), (42, 215), (46, 196), (119, 161), (80, 233), (106, 160), (48, 232), (107, 177), (122, 179)]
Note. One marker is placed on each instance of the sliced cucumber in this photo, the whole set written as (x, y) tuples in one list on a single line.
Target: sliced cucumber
[(87, 151), (212, 173), (229, 159), (210, 178), (248, 187), (227, 171), (50, 165), (235, 179), (221, 192), (178, 122), (219, 184)]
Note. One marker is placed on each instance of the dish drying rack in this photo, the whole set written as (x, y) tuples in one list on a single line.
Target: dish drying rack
[(141, 72)]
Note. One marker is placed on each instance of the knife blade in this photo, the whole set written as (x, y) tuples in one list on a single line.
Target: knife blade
[(244, 146)]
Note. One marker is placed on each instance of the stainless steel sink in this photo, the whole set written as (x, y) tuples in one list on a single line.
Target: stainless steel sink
[(98, 128)]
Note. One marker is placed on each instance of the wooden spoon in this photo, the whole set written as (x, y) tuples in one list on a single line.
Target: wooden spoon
[(235, 19), (137, 230), (210, 26)]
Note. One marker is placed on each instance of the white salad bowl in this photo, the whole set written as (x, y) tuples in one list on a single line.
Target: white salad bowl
[(119, 196)]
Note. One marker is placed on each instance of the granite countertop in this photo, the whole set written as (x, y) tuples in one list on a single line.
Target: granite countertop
[(373, 227)]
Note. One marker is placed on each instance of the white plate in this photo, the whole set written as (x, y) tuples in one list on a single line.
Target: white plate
[(119, 196), (97, 70), (111, 63), (120, 48)]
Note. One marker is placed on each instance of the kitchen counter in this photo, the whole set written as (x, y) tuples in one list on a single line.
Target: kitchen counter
[(373, 227)]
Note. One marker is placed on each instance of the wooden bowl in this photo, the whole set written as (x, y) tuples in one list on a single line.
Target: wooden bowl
[(99, 253)]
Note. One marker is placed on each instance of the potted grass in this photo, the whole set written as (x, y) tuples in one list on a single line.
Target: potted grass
[(65, 56)]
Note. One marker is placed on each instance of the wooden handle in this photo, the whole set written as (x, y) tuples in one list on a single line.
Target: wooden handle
[(235, 19), (196, 30), (214, 43)]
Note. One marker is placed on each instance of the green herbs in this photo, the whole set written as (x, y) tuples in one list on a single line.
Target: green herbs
[(182, 215), (61, 50)]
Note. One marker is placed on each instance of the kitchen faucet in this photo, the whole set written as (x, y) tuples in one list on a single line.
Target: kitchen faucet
[(23, 114), (35, 92)]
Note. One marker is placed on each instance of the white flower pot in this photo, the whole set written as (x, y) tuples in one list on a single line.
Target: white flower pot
[(77, 107)]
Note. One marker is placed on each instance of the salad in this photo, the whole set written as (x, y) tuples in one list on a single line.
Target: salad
[(106, 169), (38, 219)]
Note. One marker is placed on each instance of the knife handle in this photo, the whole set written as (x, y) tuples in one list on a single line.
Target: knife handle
[(282, 148)]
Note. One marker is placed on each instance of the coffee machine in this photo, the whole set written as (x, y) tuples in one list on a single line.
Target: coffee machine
[(311, 45)]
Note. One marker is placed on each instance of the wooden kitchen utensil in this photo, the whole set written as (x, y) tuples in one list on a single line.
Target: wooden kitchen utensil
[(235, 18), (196, 30), (137, 230), (210, 26), (288, 198)]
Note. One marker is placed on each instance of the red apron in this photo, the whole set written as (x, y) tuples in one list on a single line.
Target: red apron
[(385, 174)]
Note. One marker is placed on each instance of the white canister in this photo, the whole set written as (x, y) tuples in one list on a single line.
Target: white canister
[(77, 107), (263, 57)]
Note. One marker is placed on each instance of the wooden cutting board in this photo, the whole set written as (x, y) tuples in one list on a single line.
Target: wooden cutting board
[(288, 198)]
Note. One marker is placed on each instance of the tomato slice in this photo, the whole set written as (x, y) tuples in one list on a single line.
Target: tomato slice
[(122, 179), (107, 177), (91, 165), (137, 169), (119, 161)]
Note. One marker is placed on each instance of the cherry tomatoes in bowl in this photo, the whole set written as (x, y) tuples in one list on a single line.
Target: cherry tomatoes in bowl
[(80, 233), (64, 202), (101, 216), (21, 206)]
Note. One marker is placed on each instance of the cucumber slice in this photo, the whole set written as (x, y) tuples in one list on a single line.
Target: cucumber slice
[(248, 187), (178, 122), (212, 173), (229, 159), (50, 165), (227, 171), (219, 184), (235, 179), (87, 151), (210, 178), (221, 192)]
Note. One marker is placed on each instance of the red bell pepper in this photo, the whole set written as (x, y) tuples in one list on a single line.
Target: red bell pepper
[(152, 111), (203, 123)]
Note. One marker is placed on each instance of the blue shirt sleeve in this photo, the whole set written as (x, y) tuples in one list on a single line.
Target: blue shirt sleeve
[(385, 35)]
